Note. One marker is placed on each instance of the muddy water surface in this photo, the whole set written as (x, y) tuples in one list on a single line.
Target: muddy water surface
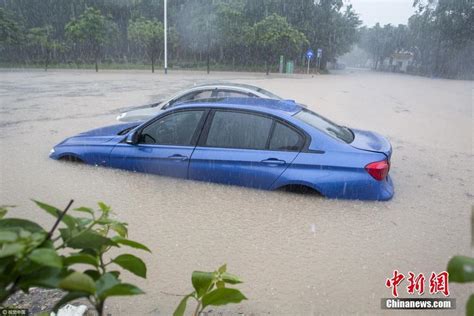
[(298, 254)]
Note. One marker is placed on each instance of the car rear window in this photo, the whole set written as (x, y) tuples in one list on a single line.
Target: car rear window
[(239, 130), (285, 138), (325, 125)]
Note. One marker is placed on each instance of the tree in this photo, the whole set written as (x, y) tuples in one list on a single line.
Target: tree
[(332, 30), (93, 30), (148, 34), (10, 30), (40, 39), (441, 37), (382, 42), (196, 23), (231, 25), (273, 36)]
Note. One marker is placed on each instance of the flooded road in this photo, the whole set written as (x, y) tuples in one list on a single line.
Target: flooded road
[(298, 254)]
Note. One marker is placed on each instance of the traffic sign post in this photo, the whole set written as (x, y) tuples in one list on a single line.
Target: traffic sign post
[(309, 56), (319, 55)]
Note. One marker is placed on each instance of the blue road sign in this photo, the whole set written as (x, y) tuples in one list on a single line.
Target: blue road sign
[(309, 54)]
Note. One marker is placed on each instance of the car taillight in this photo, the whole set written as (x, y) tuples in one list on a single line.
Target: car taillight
[(378, 170)]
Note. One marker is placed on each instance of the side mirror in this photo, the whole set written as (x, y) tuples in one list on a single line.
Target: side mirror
[(132, 138)]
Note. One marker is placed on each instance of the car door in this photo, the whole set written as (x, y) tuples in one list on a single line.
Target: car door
[(164, 145), (237, 147)]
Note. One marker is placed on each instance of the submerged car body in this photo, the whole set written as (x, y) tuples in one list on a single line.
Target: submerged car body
[(204, 91), (260, 143)]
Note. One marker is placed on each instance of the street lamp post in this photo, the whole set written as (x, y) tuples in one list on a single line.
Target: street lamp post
[(166, 36)]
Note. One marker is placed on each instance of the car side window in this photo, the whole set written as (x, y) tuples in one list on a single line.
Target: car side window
[(174, 129), (190, 97), (195, 96), (238, 130), (285, 138), (232, 94)]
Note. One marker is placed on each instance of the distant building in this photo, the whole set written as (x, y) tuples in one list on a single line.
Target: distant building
[(400, 61)]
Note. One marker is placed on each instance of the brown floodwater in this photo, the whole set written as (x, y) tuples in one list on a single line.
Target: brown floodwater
[(298, 254)]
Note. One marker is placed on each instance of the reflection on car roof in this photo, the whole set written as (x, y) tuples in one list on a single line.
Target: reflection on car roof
[(270, 104)]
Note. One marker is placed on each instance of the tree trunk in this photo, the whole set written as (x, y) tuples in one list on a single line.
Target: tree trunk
[(46, 62), (97, 59), (208, 52), (323, 62), (221, 54), (267, 67), (152, 62)]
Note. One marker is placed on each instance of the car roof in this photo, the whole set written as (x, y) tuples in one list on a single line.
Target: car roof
[(227, 84), (287, 107)]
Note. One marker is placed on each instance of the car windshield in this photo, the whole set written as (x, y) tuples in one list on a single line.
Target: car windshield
[(325, 125)]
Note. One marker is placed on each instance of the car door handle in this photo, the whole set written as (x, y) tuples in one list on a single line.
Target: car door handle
[(178, 157), (273, 161)]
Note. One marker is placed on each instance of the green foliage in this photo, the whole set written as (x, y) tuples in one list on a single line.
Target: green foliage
[(273, 37), (461, 270), (439, 35), (382, 42), (92, 30), (10, 29), (40, 40), (331, 29), (148, 34), (210, 290), (200, 31), (219, 32), (32, 257)]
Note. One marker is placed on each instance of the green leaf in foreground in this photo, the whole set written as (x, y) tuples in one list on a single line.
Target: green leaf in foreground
[(132, 264), (85, 210), (222, 268), (122, 289), (4, 210), (80, 258), (182, 306), (11, 249), (470, 305), (130, 243), (78, 282), (85, 240), (230, 278), (46, 277), (120, 229), (17, 223), (106, 282), (66, 219), (46, 257), (461, 269), (202, 281), (222, 296), (6, 236)]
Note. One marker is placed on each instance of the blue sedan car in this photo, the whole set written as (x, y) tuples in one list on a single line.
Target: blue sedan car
[(260, 143)]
